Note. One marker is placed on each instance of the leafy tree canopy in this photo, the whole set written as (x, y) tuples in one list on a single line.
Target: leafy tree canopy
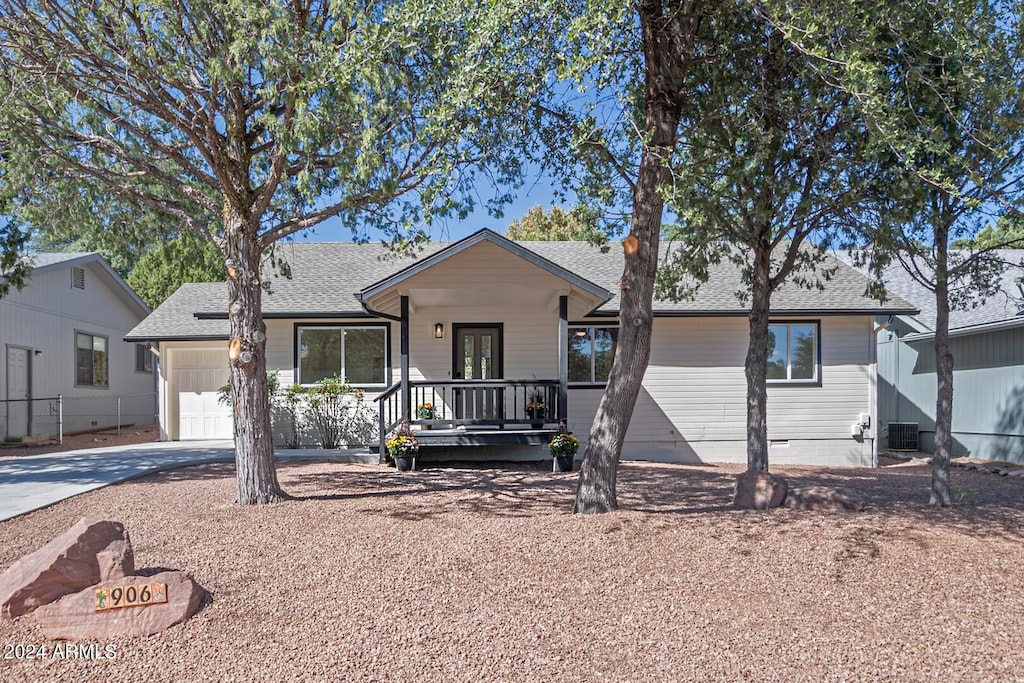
[(186, 258), (1007, 233), (770, 167), (938, 85), (249, 122), (14, 269), (579, 224)]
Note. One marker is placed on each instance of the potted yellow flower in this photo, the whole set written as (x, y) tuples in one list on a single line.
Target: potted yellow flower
[(535, 408), (402, 447), (563, 449), (425, 411)]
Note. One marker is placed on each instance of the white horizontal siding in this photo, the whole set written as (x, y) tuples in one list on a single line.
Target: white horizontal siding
[(693, 402), (486, 266), (693, 398)]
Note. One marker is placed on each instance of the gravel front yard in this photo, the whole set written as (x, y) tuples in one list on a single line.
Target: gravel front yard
[(484, 575)]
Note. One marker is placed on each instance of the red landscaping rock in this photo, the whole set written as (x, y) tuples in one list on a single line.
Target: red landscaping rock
[(91, 551), (823, 498), (759, 490), (74, 617)]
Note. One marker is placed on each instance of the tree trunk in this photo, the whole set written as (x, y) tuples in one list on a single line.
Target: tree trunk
[(254, 447), (665, 41), (756, 365), (942, 490)]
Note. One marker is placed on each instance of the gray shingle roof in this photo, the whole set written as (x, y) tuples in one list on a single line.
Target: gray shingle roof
[(844, 293), (327, 275), (1004, 306), (42, 259), (175, 317)]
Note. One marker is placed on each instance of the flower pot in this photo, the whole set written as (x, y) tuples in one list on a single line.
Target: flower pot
[(403, 462), (562, 463)]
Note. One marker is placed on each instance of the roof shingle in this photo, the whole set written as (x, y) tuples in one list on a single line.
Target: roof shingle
[(326, 276)]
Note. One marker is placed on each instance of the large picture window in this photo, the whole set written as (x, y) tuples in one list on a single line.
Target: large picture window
[(356, 354), (793, 352), (591, 351), (91, 360)]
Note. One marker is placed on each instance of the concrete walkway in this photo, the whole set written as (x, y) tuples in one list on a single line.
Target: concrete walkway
[(36, 481)]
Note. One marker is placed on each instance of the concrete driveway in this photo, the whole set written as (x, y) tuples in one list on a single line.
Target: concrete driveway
[(36, 481)]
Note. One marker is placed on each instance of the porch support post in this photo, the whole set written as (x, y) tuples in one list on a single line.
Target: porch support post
[(563, 357), (406, 389)]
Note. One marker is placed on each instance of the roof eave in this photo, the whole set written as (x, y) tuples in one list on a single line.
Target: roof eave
[(175, 337), (279, 315), (775, 312), (970, 329)]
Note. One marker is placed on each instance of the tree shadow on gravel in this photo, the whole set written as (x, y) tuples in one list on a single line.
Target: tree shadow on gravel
[(513, 491), (987, 504), (205, 472)]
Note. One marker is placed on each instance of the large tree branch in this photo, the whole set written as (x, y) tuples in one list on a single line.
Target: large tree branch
[(588, 143)]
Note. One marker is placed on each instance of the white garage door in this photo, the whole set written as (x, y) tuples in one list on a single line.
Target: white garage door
[(200, 374)]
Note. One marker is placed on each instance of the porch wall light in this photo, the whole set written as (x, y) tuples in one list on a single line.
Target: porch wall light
[(438, 330)]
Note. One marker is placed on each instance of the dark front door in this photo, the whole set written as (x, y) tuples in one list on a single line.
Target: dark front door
[(477, 356)]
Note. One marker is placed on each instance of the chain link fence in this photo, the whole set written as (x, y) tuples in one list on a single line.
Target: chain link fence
[(49, 419), (30, 419)]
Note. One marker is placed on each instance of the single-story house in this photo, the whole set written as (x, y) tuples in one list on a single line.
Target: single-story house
[(485, 328), (63, 335), (987, 342)]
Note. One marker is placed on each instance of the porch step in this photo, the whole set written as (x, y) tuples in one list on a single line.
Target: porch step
[(447, 438)]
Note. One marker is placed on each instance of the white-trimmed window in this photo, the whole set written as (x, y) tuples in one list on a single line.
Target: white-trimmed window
[(357, 354), (91, 360), (591, 351), (793, 352)]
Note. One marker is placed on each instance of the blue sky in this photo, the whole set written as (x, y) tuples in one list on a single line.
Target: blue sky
[(535, 191)]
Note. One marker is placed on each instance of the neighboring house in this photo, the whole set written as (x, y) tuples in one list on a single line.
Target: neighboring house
[(987, 343), (477, 327), (63, 335)]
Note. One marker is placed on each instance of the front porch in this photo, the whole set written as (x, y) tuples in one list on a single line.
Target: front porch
[(475, 320), (475, 412)]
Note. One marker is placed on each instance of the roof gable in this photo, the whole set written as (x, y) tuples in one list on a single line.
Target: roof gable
[(485, 236), (45, 262)]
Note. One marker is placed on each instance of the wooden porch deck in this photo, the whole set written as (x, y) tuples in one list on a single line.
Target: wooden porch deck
[(470, 413), (484, 436)]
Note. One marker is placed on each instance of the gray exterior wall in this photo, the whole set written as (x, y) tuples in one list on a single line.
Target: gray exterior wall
[(988, 390), (44, 318)]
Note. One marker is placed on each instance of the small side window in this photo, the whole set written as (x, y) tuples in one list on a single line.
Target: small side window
[(793, 355), (143, 359)]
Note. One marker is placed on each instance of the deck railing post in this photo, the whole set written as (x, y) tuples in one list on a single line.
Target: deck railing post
[(382, 426), (563, 357), (406, 390)]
